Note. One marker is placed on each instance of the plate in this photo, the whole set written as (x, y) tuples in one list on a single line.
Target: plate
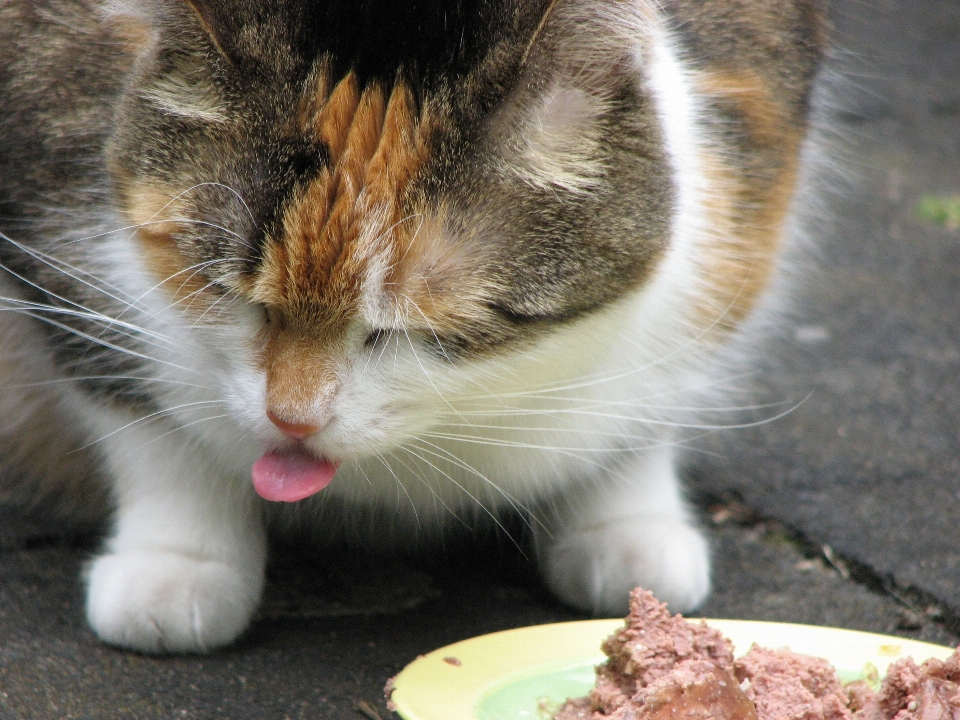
[(526, 673)]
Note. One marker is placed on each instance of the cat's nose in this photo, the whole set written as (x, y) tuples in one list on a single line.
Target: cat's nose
[(295, 430)]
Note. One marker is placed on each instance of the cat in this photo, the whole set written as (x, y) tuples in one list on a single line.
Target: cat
[(378, 269)]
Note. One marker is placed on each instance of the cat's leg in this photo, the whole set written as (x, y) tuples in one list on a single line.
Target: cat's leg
[(183, 571), (626, 529)]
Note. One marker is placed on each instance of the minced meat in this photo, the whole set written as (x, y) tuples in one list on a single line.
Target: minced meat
[(662, 667)]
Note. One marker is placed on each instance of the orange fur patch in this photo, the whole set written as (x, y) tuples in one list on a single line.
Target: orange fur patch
[(438, 283), (188, 286), (354, 210), (154, 210), (749, 204), (749, 94), (301, 371)]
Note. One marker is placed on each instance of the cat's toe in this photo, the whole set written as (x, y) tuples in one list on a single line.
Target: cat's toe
[(156, 601), (595, 569)]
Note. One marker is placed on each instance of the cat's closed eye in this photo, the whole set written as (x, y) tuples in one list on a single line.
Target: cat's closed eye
[(376, 337)]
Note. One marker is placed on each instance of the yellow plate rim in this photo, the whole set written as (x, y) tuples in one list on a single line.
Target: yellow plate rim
[(451, 682)]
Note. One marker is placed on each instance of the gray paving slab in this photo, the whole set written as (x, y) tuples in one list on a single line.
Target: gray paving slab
[(863, 471), (335, 627), (764, 571), (869, 462), (332, 630)]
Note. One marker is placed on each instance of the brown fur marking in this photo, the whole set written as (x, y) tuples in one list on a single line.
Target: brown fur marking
[(353, 208), (154, 210), (438, 284), (749, 205), (301, 372), (188, 286)]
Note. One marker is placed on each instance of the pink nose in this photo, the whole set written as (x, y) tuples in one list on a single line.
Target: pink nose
[(298, 431)]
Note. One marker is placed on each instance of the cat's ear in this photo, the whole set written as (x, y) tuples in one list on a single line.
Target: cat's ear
[(538, 30), (140, 23), (211, 20), (591, 39)]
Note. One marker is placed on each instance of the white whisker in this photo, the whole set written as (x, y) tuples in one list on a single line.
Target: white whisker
[(463, 489), (442, 453), (104, 343), (29, 307), (401, 486), (84, 378), (152, 416), (183, 426)]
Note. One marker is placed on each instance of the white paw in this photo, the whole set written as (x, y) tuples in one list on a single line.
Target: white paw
[(596, 569), (156, 601)]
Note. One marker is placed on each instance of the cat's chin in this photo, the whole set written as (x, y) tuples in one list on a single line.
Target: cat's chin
[(291, 475)]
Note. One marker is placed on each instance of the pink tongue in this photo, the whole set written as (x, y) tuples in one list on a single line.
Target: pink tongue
[(288, 477)]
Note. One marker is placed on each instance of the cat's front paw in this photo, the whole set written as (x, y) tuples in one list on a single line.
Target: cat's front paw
[(595, 569), (156, 601)]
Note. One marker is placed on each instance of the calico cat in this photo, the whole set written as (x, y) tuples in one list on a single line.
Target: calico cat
[(378, 268)]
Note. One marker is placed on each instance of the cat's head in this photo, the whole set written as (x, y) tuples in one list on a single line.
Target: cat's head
[(385, 196)]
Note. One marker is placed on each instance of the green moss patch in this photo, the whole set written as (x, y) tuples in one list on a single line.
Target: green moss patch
[(939, 210)]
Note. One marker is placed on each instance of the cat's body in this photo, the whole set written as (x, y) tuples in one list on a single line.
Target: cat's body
[(479, 256)]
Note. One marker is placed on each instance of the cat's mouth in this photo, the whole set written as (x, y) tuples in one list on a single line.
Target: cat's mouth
[(291, 475)]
